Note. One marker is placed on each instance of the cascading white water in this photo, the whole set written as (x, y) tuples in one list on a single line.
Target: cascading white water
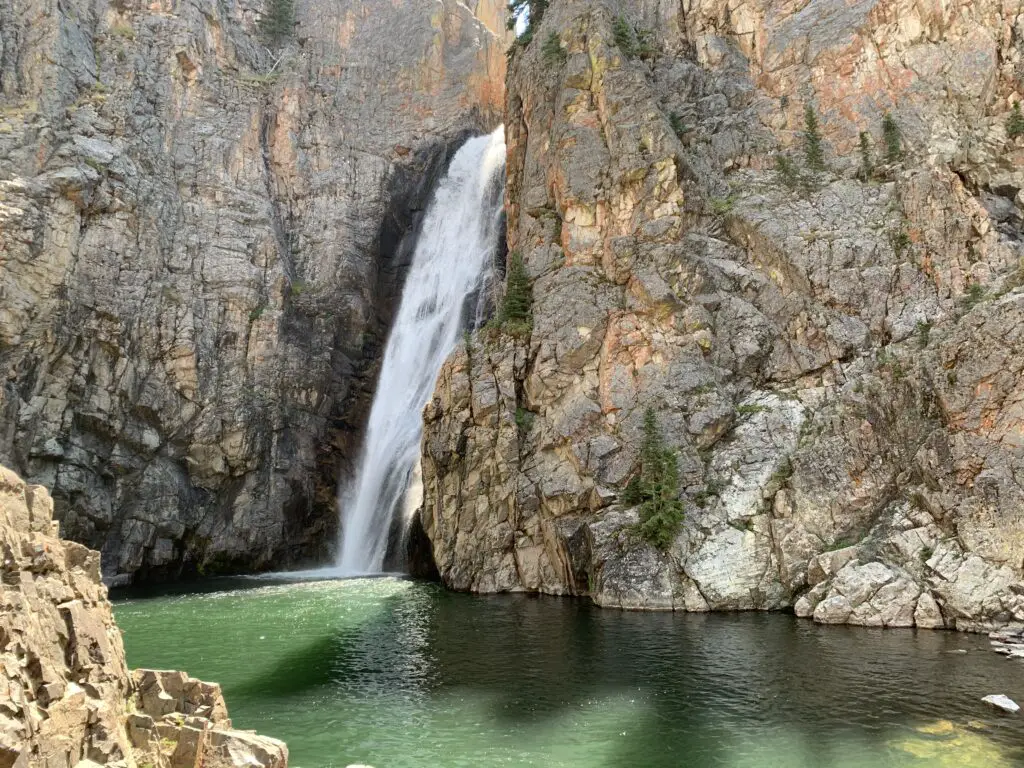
[(453, 257)]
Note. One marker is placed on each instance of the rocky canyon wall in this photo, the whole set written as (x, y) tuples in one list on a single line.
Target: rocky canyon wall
[(198, 255), (835, 355)]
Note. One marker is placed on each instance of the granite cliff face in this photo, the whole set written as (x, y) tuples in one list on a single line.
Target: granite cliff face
[(200, 253), (836, 355), (66, 696)]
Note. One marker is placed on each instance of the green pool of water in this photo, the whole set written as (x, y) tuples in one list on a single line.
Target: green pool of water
[(397, 673)]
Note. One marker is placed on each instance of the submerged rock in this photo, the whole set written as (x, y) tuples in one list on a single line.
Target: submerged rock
[(944, 744)]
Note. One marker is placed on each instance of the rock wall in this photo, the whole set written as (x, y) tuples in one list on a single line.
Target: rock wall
[(66, 696), (835, 355), (198, 255)]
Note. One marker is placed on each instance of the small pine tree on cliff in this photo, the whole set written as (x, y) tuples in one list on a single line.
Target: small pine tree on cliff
[(530, 10), (813, 148), (517, 308), (554, 54), (893, 137), (624, 36), (277, 21), (866, 166), (1015, 122), (656, 488)]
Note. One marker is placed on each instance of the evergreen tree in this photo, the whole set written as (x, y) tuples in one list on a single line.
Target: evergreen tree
[(893, 138), (813, 148), (554, 54), (1015, 122), (624, 36), (516, 310), (656, 488), (788, 173), (677, 124), (277, 21), (866, 166)]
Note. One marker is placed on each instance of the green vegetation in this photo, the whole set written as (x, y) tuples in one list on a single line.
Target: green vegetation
[(789, 175), (813, 148), (554, 54), (656, 488), (899, 239), (297, 288), (867, 167), (645, 43), (265, 79), (893, 138), (749, 408), (515, 316), (974, 296), (524, 420), (841, 543), (123, 31), (625, 37), (1015, 122), (677, 124), (783, 472), (722, 205), (711, 490), (277, 22), (924, 330), (533, 10), (256, 313)]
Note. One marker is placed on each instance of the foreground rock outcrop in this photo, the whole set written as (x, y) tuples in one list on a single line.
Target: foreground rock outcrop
[(200, 254), (66, 696), (836, 354)]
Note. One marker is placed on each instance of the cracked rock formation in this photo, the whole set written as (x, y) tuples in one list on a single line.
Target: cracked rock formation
[(836, 354), (66, 696), (200, 254)]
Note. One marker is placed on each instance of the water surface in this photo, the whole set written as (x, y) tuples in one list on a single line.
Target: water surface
[(397, 673)]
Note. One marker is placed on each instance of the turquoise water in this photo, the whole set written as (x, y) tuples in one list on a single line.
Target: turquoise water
[(397, 673)]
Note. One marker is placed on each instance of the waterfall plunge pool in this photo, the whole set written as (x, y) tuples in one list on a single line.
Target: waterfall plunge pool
[(396, 673)]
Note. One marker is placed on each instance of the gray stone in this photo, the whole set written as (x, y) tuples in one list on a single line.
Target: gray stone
[(999, 701)]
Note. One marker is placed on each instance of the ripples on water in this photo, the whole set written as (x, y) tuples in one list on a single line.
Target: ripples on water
[(396, 673)]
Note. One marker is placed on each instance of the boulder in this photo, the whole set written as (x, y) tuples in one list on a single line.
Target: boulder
[(76, 705), (999, 701)]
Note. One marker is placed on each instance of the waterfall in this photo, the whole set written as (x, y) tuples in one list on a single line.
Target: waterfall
[(453, 258)]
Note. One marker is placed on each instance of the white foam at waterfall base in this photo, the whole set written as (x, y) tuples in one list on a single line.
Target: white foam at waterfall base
[(452, 261)]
